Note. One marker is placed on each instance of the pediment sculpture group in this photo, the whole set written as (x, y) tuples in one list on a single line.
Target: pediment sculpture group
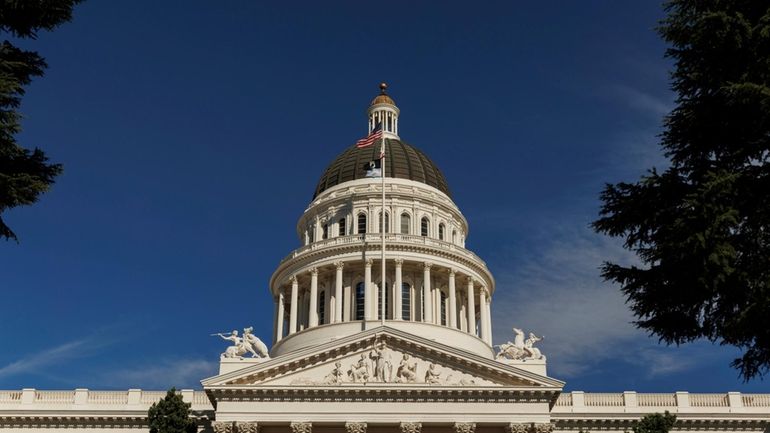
[(378, 366), (521, 349)]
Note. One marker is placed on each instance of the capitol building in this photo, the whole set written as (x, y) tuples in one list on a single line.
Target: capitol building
[(382, 324)]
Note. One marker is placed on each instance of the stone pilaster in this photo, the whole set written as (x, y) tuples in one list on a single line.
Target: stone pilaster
[(410, 427), (301, 427), (355, 427)]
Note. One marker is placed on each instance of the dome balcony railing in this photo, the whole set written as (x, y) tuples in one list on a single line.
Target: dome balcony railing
[(369, 239)]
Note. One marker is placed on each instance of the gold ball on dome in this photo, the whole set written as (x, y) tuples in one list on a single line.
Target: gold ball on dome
[(383, 87)]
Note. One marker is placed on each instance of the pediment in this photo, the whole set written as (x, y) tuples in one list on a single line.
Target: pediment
[(382, 357)]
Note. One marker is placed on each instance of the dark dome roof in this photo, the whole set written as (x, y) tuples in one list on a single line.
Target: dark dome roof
[(402, 160)]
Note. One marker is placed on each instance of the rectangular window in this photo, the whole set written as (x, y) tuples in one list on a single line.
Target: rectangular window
[(341, 226)]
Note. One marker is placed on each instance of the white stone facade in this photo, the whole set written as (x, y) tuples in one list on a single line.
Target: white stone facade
[(337, 365)]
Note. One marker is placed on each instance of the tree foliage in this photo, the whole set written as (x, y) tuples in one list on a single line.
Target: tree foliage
[(24, 174), (655, 423), (171, 415), (701, 228)]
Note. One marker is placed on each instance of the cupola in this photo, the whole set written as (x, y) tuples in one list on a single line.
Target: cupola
[(383, 109)]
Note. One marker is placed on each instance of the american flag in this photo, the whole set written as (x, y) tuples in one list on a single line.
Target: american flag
[(371, 138)]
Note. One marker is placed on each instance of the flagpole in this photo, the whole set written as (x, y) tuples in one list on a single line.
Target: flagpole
[(383, 284)]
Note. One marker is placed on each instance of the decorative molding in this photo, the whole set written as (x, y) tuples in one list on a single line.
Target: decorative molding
[(543, 428), (465, 427), (339, 265), (410, 427), (301, 427), (355, 427)]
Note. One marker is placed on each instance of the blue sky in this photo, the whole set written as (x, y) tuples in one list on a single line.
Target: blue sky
[(193, 133)]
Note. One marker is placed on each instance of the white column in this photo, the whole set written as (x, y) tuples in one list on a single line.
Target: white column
[(368, 290), (313, 311), (398, 295), (293, 306), (489, 319), (471, 308), (463, 314), (452, 300), (483, 311), (338, 293), (279, 317), (427, 306)]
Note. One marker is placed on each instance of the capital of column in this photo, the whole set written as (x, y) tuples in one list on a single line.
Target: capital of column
[(301, 427), (410, 427), (355, 427), (465, 427), (223, 426), (339, 265), (313, 271), (247, 427), (293, 279), (517, 427), (470, 280), (427, 265), (451, 271), (399, 262), (369, 262)]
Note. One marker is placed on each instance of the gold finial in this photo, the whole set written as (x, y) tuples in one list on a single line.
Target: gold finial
[(383, 88)]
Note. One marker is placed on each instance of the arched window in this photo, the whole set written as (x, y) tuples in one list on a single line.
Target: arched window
[(441, 231), (311, 233), (361, 223), (424, 223), (387, 223), (341, 226), (443, 308), (454, 236), (406, 222), (322, 307), (388, 301), (360, 288), (325, 233), (406, 301)]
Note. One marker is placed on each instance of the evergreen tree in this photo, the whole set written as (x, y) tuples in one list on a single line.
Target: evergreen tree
[(171, 415), (24, 174), (701, 228), (655, 423)]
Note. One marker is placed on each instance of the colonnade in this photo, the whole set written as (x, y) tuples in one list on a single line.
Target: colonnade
[(442, 296)]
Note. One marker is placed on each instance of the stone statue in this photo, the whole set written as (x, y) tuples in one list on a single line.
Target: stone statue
[(250, 343), (383, 369), (432, 375), (534, 351), (520, 349), (336, 375), (407, 370), (232, 351), (253, 344), (359, 372)]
